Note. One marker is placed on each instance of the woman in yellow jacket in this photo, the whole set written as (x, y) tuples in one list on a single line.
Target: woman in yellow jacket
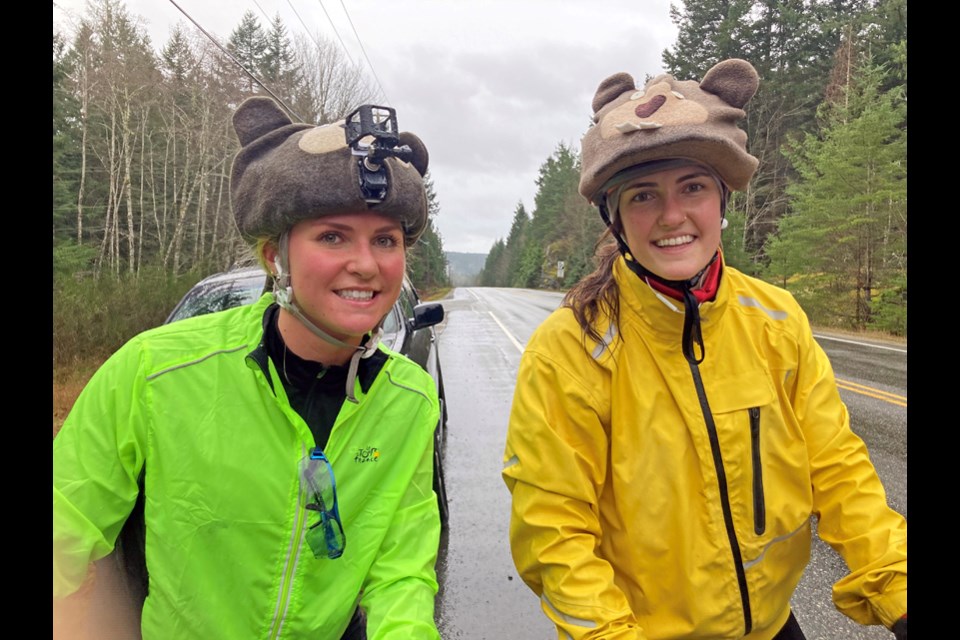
[(675, 425)]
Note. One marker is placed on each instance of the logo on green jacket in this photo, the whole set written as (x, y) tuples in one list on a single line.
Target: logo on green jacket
[(367, 454)]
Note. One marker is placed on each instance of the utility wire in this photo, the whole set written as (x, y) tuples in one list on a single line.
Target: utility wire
[(332, 26), (360, 42), (342, 44), (307, 29), (237, 62), (264, 13)]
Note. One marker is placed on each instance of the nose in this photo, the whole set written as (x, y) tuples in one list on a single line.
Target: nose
[(363, 263), (672, 214)]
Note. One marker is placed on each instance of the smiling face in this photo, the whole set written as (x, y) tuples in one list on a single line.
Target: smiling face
[(671, 220), (346, 272)]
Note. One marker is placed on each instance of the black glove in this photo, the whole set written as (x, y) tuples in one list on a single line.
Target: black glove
[(900, 628)]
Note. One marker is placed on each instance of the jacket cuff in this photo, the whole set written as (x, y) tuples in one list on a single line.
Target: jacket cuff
[(890, 607)]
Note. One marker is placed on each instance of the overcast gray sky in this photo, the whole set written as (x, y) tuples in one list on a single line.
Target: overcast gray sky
[(491, 87)]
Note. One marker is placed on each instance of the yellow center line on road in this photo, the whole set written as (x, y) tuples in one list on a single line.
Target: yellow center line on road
[(892, 398)]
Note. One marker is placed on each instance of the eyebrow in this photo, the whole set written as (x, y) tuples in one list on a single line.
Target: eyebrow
[(683, 178), (342, 226)]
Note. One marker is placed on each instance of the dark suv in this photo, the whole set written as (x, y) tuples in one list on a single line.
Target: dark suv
[(407, 329)]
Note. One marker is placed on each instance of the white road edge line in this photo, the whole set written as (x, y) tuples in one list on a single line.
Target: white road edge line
[(515, 342), (862, 344)]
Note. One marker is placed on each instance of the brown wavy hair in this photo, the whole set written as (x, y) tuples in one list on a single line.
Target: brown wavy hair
[(597, 293)]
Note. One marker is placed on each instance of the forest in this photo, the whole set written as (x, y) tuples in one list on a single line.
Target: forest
[(142, 145), (825, 215)]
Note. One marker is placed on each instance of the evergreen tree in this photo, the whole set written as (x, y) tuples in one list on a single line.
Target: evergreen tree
[(735, 253), (845, 238), (279, 67), (113, 74), (514, 245), (490, 275), (708, 31), (531, 272), (426, 261), (790, 42), (177, 60), (248, 44), (559, 222), (66, 145)]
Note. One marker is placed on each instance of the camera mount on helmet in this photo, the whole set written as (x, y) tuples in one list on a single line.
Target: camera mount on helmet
[(379, 123)]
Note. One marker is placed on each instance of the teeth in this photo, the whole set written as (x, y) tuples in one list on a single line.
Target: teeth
[(673, 242), (350, 294)]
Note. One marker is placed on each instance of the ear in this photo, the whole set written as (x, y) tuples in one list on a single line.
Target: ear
[(611, 88), (256, 116), (269, 257), (734, 80), (421, 159)]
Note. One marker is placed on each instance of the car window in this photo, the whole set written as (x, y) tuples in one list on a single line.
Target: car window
[(391, 324), (217, 296), (406, 301)]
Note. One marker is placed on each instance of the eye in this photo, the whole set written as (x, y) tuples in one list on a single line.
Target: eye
[(329, 237), (696, 187), (641, 196), (387, 241)]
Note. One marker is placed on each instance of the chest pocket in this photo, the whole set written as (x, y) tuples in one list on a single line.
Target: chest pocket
[(743, 406)]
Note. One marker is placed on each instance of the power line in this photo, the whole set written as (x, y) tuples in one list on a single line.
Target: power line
[(264, 13), (332, 26), (364, 51), (307, 29), (237, 62), (342, 44)]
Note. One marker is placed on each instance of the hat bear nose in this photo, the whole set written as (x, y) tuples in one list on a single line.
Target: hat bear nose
[(648, 109)]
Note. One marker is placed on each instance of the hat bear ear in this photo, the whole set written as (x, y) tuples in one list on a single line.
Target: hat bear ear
[(420, 158), (735, 81), (257, 116), (611, 88)]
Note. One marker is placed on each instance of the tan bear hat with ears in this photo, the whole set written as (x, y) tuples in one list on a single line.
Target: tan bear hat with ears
[(286, 172), (670, 119)]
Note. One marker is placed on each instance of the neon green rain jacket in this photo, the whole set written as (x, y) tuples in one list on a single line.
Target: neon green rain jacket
[(220, 446), (646, 505)]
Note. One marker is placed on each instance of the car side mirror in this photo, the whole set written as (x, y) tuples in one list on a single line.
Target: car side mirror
[(427, 314)]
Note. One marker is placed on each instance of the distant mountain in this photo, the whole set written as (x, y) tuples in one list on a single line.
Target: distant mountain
[(465, 267)]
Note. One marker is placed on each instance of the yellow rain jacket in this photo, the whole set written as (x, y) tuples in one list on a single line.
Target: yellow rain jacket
[(655, 499)]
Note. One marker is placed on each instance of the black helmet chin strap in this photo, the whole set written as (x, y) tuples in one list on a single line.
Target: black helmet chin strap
[(283, 294), (692, 339)]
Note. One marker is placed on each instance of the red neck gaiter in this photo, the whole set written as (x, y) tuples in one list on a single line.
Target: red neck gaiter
[(709, 282)]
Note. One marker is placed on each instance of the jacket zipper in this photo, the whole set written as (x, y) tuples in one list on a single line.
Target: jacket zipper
[(724, 499), (299, 523), (289, 569), (286, 583), (759, 505)]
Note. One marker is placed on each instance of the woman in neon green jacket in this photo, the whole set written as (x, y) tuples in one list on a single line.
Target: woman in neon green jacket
[(282, 455), (675, 425)]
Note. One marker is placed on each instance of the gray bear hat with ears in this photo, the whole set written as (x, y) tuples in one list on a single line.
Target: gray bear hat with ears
[(286, 172), (669, 119)]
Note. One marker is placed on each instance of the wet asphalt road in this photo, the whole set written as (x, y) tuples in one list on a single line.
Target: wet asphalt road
[(481, 597)]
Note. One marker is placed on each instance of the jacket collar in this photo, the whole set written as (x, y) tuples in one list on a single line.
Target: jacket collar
[(658, 313), (269, 341)]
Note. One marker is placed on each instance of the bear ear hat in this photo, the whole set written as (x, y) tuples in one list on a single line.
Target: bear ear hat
[(611, 88), (420, 158), (734, 81), (257, 116)]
